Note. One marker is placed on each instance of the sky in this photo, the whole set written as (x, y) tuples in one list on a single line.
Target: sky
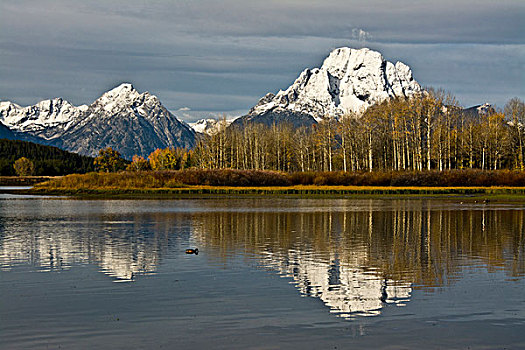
[(206, 58)]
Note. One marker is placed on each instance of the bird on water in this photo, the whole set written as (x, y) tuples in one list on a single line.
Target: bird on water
[(192, 251)]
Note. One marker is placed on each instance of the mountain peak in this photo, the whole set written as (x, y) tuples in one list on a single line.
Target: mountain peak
[(344, 58), (123, 118), (44, 119), (119, 96), (128, 121), (349, 80), (123, 87), (121, 91)]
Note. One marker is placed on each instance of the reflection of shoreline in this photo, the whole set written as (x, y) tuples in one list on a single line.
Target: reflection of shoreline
[(356, 262)]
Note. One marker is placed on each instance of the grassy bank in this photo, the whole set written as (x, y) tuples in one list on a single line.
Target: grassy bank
[(262, 178), (241, 182), (298, 190)]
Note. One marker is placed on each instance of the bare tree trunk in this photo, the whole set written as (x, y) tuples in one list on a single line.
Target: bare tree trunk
[(329, 145), (370, 151), (520, 162), (483, 157), (343, 149), (429, 144)]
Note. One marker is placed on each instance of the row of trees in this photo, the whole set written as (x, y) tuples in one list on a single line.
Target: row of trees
[(429, 131), (109, 160)]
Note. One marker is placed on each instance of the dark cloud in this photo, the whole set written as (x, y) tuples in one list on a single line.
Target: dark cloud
[(221, 56)]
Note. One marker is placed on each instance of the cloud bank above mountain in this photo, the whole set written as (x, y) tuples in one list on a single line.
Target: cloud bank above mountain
[(213, 57)]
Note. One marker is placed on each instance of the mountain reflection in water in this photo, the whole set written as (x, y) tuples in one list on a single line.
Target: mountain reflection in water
[(356, 262), (355, 258), (122, 248)]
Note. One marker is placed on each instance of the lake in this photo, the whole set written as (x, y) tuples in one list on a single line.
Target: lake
[(271, 272)]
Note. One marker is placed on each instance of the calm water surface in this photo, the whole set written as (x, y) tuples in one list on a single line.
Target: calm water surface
[(270, 273)]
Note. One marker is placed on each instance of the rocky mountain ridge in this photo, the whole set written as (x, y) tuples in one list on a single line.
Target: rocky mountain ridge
[(122, 118), (46, 119), (349, 81)]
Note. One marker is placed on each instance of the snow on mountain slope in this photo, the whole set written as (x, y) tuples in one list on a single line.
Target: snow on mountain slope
[(128, 121), (122, 118), (47, 119), (349, 80), (209, 126)]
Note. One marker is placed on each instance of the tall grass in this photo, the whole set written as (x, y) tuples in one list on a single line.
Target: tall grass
[(432, 178), (172, 179), (260, 178)]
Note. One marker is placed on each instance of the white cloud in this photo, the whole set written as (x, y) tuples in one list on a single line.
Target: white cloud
[(361, 35)]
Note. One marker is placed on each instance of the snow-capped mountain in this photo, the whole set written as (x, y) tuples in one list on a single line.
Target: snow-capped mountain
[(209, 126), (128, 121), (47, 119), (122, 118), (479, 110), (349, 80)]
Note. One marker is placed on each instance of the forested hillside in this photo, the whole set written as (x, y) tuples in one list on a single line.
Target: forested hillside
[(47, 160)]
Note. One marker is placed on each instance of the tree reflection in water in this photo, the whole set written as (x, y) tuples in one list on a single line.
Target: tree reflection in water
[(357, 261), (356, 258)]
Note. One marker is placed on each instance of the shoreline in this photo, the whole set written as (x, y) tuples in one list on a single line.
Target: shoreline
[(24, 180), (517, 193)]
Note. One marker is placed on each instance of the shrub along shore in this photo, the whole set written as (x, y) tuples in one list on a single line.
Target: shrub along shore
[(230, 181)]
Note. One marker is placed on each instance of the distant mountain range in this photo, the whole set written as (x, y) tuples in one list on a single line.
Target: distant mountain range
[(209, 126), (122, 118), (131, 122)]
